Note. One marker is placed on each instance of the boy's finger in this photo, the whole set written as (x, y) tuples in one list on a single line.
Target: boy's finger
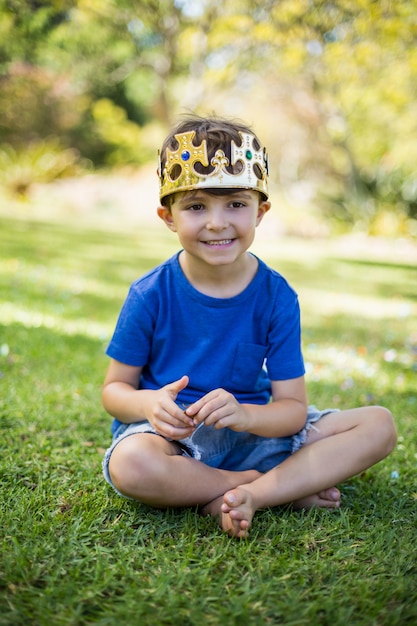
[(178, 385), (181, 415), (191, 410)]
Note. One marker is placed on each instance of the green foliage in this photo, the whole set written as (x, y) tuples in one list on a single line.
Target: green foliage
[(32, 22), (54, 83), (122, 136), (38, 162), (74, 553), (376, 107)]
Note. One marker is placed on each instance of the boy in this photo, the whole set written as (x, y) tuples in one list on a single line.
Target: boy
[(206, 379)]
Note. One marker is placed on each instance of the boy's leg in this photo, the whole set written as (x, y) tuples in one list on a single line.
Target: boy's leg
[(151, 469), (345, 444)]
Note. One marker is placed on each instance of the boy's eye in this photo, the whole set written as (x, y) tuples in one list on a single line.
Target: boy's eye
[(195, 207), (236, 204)]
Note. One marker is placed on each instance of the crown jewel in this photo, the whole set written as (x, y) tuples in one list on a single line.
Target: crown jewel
[(179, 173)]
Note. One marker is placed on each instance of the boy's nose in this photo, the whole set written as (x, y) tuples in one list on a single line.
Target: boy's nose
[(217, 220)]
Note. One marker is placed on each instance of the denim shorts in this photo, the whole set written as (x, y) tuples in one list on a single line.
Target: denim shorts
[(225, 448)]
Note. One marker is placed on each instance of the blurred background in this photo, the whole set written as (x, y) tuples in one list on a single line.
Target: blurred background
[(89, 89)]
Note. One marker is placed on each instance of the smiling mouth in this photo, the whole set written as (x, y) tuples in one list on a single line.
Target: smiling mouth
[(218, 242)]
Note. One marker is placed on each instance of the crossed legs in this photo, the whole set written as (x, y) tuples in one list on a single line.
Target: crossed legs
[(150, 469), (343, 445)]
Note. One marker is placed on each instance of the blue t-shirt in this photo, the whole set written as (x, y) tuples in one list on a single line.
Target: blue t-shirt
[(238, 343)]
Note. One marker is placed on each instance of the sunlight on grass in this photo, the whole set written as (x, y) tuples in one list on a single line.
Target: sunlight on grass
[(36, 319), (342, 303)]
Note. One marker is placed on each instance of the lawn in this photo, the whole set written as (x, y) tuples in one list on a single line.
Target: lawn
[(74, 553)]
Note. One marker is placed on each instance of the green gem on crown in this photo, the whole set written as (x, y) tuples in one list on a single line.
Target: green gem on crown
[(248, 154)]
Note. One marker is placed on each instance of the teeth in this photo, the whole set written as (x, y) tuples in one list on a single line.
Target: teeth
[(220, 242)]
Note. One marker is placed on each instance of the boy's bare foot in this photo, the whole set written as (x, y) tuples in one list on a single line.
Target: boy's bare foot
[(236, 508), (212, 508), (326, 499), (236, 524)]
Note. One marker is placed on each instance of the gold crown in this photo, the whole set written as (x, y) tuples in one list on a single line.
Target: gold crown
[(179, 173)]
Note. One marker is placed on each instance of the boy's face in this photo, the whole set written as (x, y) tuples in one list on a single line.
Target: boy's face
[(216, 229)]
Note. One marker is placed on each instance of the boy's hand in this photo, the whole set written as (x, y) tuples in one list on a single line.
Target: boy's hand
[(221, 409), (165, 416)]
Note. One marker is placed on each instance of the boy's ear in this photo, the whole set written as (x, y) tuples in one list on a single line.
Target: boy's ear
[(166, 216), (263, 208)]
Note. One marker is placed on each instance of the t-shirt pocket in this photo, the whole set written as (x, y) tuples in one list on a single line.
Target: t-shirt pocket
[(248, 363)]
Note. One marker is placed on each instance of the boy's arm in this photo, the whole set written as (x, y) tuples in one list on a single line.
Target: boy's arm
[(119, 395), (285, 415), (124, 401)]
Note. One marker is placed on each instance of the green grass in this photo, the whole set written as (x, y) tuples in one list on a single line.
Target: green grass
[(73, 552)]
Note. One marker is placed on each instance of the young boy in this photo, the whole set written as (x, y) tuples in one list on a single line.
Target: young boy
[(206, 379)]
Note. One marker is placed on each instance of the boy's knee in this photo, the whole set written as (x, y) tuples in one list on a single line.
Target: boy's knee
[(128, 465), (385, 427)]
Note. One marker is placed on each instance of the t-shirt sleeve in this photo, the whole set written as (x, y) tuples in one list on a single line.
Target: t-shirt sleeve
[(131, 339), (284, 357)]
